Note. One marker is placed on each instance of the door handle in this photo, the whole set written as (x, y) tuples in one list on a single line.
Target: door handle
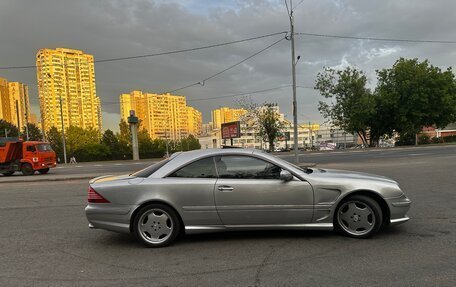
[(225, 188)]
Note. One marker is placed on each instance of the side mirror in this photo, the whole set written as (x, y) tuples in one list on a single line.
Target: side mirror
[(285, 175)]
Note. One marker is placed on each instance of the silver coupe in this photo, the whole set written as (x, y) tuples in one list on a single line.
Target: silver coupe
[(240, 189)]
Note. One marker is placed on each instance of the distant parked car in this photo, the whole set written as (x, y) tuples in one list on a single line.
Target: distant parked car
[(237, 189)]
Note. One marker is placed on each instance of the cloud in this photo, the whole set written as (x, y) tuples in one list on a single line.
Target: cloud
[(117, 28)]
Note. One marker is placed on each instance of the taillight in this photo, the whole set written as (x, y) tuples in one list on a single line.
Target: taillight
[(95, 197)]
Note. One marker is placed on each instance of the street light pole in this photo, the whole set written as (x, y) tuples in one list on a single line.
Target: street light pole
[(61, 121), (63, 129)]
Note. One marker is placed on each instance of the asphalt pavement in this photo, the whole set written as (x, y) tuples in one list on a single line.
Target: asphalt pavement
[(45, 240)]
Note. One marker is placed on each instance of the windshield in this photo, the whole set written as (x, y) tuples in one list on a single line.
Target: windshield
[(44, 147)]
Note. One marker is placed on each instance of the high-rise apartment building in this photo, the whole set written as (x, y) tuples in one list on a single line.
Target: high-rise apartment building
[(163, 116), (194, 121), (225, 115), (14, 103), (4, 100), (66, 82)]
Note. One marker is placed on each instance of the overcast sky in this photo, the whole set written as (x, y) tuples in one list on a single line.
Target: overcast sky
[(118, 28)]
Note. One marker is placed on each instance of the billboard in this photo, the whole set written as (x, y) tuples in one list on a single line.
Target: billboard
[(231, 130)]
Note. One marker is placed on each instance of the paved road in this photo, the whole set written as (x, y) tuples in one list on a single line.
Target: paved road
[(45, 241), (93, 169)]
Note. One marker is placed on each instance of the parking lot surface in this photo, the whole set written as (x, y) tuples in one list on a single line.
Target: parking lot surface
[(45, 240)]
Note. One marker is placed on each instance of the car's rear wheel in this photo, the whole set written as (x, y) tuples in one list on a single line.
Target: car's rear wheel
[(44, 171), (156, 225), (8, 173), (27, 169), (358, 216)]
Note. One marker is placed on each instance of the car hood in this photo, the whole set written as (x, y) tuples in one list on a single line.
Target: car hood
[(345, 174)]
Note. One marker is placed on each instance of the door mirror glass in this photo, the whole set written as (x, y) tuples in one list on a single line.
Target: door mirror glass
[(285, 175)]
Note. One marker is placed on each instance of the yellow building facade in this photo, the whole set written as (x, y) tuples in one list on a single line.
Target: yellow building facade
[(14, 103), (225, 115), (66, 81), (162, 116)]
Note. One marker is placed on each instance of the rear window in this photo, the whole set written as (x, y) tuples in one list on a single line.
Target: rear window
[(151, 169)]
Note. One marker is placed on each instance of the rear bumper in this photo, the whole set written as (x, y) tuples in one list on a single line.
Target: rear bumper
[(106, 216)]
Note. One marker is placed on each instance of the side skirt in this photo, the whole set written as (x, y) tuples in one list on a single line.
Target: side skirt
[(193, 229)]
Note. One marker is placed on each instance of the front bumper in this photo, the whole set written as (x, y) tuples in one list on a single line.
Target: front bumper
[(398, 206), (43, 165)]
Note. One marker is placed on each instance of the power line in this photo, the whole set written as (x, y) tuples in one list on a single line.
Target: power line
[(203, 82), (298, 4), (376, 39), (156, 54), (232, 95), (241, 94)]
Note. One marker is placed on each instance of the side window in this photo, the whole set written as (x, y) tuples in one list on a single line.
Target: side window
[(203, 168), (246, 167), (30, 148)]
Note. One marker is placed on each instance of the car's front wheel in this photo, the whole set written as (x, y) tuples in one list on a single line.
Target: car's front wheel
[(358, 216), (156, 225)]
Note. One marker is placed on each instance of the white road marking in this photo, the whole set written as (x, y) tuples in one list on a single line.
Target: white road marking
[(416, 154), (98, 165), (117, 164)]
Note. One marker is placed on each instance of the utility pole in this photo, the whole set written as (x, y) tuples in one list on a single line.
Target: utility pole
[(293, 72)]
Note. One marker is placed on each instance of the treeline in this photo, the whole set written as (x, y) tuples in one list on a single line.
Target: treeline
[(408, 96), (90, 145)]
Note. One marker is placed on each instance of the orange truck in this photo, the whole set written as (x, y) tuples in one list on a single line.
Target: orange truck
[(25, 156)]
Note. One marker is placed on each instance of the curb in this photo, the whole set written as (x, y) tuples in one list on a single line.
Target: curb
[(63, 178)]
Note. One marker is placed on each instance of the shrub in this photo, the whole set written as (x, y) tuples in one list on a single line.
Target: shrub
[(424, 139)]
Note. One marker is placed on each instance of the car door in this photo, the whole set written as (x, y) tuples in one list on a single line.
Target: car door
[(249, 191), (191, 188)]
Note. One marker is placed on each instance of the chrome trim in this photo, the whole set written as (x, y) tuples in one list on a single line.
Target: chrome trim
[(401, 203), (399, 220), (199, 208), (208, 228), (196, 227), (262, 207), (91, 226)]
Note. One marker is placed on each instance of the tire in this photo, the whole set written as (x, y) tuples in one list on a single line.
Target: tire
[(156, 225), (43, 171), (8, 173), (27, 169), (358, 216)]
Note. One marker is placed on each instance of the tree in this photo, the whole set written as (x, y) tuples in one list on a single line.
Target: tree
[(34, 132), (190, 143), (8, 129), (54, 137), (416, 94), (352, 105), (77, 137), (124, 137), (92, 152), (110, 140), (265, 119)]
